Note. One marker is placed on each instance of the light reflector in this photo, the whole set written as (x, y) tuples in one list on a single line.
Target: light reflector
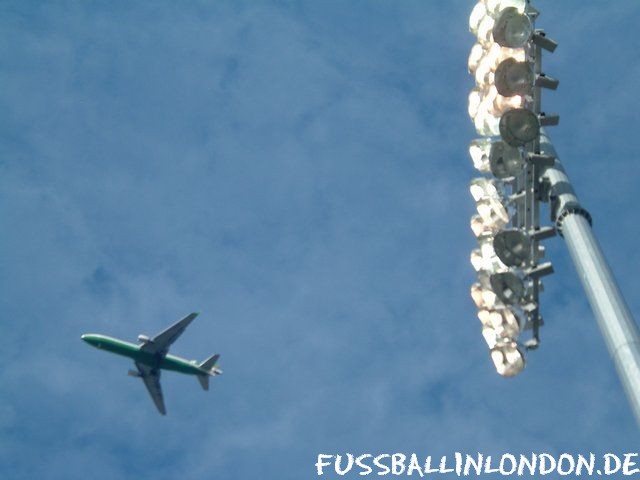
[(475, 99), (505, 161), (504, 324), (513, 247), (508, 359), (479, 227), (514, 78), (496, 6), (512, 29), (479, 150), (477, 14), (485, 122), (474, 57), (485, 30), (508, 286), (482, 187), (519, 127), (483, 297)]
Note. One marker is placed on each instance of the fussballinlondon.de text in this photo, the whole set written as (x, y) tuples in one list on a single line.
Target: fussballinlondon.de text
[(465, 465)]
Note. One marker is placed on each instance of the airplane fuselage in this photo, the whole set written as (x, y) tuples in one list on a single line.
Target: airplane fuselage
[(135, 352)]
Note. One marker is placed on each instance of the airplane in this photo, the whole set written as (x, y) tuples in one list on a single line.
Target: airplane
[(151, 356)]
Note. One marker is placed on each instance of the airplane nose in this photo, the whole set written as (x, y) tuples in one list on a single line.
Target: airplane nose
[(84, 337)]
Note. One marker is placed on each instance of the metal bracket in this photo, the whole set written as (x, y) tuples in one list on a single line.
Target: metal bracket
[(541, 161), (543, 233), (540, 39), (540, 270), (548, 120), (546, 82)]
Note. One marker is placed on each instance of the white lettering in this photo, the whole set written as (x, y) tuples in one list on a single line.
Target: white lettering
[(367, 469), (628, 464), (427, 466), (383, 468), (477, 465), (414, 465), (530, 464), (544, 470), (572, 464), (339, 470), (487, 466), (582, 462), (443, 465), (320, 463), (607, 463), (397, 463), (512, 459)]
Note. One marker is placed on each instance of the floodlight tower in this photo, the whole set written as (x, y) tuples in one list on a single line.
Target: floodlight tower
[(521, 170)]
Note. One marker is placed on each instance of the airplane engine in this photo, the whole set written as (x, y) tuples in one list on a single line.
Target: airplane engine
[(143, 338)]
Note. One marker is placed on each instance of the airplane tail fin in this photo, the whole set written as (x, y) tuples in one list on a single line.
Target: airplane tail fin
[(210, 365), (204, 381)]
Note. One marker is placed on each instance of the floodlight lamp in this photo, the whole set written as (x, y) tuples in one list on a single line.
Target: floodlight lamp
[(490, 5), (514, 78), (518, 54), (486, 246), (477, 14), (493, 7), (512, 323), (488, 196), (482, 187), (496, 54), (476, 54), (505, 323), (493, 212), (493, 105), (476, 259), (479, 150), (486, 123), (475, 99), (519, 127), (509, 286), (505, 161), (490, 336), (512, 28), (493, 337), (497, 157), (503, 104), (484, 260), (485, 30), (508, 359), (484, 72), (479, 227), (476, 295), (483, 297), (488, 253), (513, 247)]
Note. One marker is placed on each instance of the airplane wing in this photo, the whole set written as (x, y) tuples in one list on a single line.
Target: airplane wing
[(162, 341), (151, 378)]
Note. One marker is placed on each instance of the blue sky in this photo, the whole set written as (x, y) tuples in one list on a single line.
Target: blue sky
[(297, 172)]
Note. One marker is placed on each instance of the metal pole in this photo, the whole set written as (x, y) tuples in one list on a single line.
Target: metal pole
[(573, 222)]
